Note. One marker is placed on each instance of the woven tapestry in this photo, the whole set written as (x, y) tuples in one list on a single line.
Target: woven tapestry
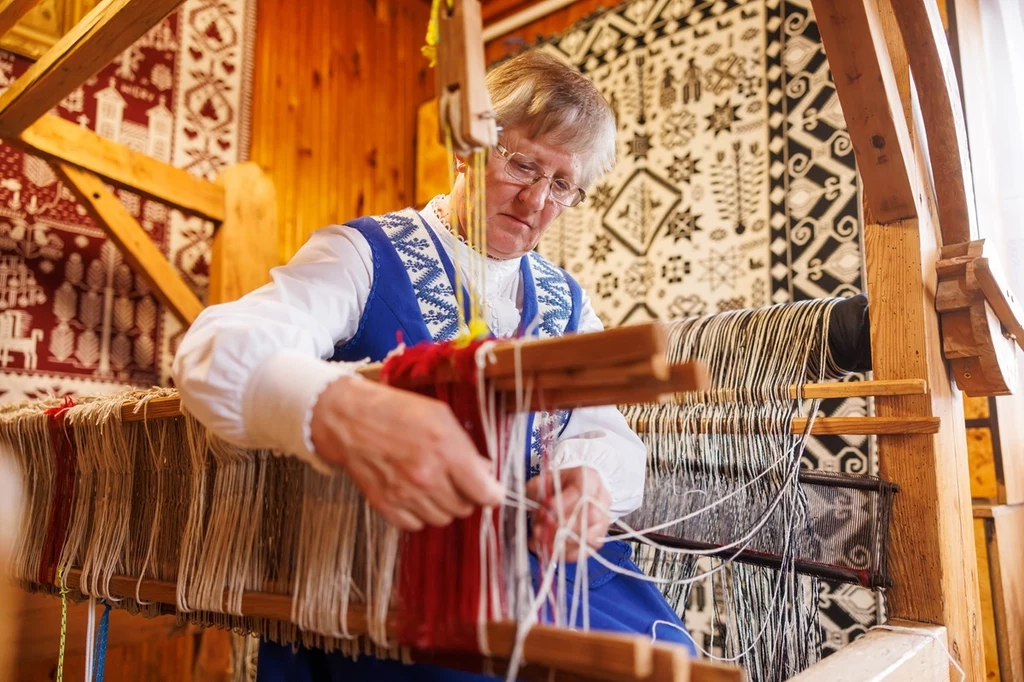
[(735, 187), (74, 318)]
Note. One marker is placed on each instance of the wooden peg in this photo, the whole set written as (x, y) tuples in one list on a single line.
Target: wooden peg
[(993, 285), (980, 320)]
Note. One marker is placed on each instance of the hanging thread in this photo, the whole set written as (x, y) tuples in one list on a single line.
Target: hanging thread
[(100, 656)]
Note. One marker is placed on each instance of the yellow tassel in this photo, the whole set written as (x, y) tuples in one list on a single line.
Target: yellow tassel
[(63, 624), (430, 49), (478, 329)]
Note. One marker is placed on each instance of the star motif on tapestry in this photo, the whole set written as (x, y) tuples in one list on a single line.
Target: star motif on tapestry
[(722, 268), (683, 224), (678, 128), (600, 248), (722, 118), (682, 169), (602, 197), (640, 146)]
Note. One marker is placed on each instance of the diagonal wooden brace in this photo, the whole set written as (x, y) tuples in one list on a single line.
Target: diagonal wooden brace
[(137, 248)]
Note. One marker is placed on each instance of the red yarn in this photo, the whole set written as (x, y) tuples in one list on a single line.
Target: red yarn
[(439, 585), (66, 459)]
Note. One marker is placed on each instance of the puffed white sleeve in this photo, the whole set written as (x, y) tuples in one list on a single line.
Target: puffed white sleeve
[(600, 438), (251, 370)]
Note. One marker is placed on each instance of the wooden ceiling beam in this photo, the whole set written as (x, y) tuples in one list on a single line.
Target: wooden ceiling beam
[(103, 34), (857, 54), (931, 63)]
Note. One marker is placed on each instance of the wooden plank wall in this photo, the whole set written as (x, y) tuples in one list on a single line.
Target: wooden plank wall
[(138, 648), (982, 449), (334, 108)]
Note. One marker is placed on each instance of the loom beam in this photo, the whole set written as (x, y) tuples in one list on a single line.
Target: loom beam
[(588, 655), (841, 574)]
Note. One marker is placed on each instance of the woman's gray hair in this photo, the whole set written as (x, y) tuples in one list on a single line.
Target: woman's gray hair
[(541, 95)]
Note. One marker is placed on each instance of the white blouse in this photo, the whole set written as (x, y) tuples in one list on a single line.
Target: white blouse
[(251, 370)]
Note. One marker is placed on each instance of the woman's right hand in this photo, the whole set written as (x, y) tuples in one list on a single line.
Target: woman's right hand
[(407, 453)]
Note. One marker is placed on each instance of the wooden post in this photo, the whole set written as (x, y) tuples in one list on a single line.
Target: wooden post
[(931, 558), (245, 245)]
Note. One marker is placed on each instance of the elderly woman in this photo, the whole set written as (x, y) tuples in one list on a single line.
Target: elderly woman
[(270, 370)]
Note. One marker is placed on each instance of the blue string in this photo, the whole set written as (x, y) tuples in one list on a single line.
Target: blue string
[(101, 643)]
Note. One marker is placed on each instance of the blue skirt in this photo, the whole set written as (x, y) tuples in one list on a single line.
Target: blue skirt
[(618, 603)]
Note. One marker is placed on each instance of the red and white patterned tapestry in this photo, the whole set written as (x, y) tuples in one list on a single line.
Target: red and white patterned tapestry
[(74, 318)]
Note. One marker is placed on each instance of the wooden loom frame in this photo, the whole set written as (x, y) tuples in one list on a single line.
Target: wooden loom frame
[(912, 208)]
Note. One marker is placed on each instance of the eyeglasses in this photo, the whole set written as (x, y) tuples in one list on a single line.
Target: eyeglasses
[(522, 168)]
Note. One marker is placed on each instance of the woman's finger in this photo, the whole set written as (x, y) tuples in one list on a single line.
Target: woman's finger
[(425, 509)]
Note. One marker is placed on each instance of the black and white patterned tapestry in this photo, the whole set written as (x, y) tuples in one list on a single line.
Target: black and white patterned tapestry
[(735, 187)]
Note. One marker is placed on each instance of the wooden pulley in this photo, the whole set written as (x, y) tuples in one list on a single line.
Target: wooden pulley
[(463, 102), (980, 318)]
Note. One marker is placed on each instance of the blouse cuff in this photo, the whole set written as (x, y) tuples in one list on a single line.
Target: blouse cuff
[(625, 488), (280, 398)]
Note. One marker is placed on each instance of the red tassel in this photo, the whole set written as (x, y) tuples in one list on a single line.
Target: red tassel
[(66, 458), (439, 585)]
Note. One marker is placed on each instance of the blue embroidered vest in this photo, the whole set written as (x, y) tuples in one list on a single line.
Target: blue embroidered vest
[(413, 292)]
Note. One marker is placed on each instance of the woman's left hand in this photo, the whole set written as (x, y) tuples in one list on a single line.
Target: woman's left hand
[(592, 520)]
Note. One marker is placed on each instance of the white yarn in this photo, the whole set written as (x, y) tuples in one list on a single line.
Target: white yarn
[(90, 639)]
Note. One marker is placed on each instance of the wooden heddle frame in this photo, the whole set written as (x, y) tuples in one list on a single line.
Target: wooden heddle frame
[(921, 266)]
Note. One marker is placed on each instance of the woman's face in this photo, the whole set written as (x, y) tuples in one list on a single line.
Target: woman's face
[(518, 214)]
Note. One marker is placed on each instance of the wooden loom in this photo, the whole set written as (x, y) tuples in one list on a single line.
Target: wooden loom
[(916, 215)]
